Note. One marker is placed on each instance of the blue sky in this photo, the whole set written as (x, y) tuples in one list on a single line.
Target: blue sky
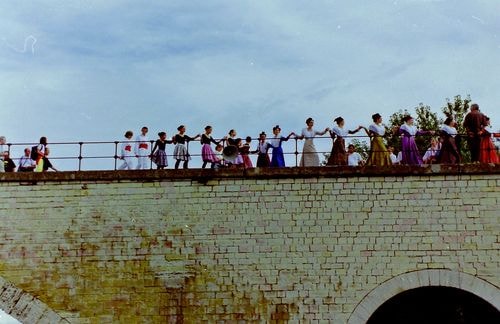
[(89, 70)]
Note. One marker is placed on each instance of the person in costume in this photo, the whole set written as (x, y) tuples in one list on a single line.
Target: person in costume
[(245, 153), (159, 153), (409, 151), (338, 155), (432, 153), (141, 149), (207, 154), (278, 158), (379, 155), (181, 153), (449, 153), (126, 152), (262, 148), (488, 152), (309, 154)]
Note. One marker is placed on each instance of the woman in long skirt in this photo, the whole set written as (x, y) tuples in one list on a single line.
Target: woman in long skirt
[(262, 148), (449, 153), (245, 153), (338, 155), (158, 154), (233, 140), (488, 151), (180, 151), (379, 155), (278, 158), (309, 154), (410, 154), (207, 154)]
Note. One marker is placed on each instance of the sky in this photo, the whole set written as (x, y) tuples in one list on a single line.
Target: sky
[(88, 70)]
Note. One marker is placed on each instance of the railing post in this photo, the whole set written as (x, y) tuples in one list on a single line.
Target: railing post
[(151, 155), (80, 157), (296, 152), (116, 153)]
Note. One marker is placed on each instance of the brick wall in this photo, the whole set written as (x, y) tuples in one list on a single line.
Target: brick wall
[(254, 245)]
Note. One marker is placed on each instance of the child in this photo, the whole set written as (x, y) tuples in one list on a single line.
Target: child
[(142, 149), (159, 157), (126, 152), (353, 157), (218, 154), (245, 151)]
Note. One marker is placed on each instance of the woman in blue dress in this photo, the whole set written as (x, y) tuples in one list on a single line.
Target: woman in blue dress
[(278, 158)]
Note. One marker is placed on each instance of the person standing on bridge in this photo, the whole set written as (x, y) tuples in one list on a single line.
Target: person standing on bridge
[(449, 153), (126, 152), (3, 140), (158, 154), (409, 151), (141, 149), (379, 155), (488, 152), (181, 150), (278, 157), (338, 155), (310, 156), (40, 153), (474, 122), (207, 154)]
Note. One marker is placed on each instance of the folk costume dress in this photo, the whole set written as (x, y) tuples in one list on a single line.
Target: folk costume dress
[(142, 151), (338, 155), (409, 152), (181, 151), (379, 156), (159, 156), (245, 154), (309, 156), (239, 159), (278, 158), (127, 155), (263, 158), (207, 154), (449, 151), (488, 152)]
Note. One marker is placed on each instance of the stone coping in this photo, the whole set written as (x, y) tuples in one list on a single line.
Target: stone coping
[(203, 175)]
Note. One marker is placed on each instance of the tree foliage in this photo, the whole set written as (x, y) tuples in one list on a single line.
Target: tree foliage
[(458, 108)]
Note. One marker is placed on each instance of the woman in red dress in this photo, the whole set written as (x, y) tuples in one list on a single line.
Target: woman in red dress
[(488, 152)]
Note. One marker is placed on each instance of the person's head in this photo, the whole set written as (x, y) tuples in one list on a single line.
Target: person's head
[(449, 121), (238, 141), (310, 122), (232, 133), (27, 151), (43, 140), (144, 130), (339, 121), (219, 147), (129, 134), (474, 107), (208, 129), (276, 129), (351, 148), (262, 136), (377, 118), (162, 135), (3, 140), (408, 120), (248, 139), (390, 149), (181, 129), (434, 142), (487, 119)]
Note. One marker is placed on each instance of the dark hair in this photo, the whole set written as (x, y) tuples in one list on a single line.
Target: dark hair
[(160, 134), (230, 131), (262, 133), (308, 120), (407, 118), (474, 106), (145, 127), (180, 127), (338, 120), (487, 118), (376, 116), (448, 121), (127, 134), (248, 139), (351, 145), (43, 140), (238, 140), (208, 127), (276, 127)]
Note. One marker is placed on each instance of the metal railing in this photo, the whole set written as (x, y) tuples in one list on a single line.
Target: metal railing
[(93, 153)]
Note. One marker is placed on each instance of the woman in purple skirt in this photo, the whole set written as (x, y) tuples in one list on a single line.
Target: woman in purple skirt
[(409, 152), (207, 154)]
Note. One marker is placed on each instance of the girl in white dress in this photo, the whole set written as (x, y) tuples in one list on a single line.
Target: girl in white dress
[(309, 154)]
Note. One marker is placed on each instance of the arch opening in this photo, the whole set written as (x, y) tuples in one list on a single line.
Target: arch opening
[(435, 305)]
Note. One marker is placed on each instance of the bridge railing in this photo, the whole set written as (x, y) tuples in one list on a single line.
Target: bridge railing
[(105, 155)]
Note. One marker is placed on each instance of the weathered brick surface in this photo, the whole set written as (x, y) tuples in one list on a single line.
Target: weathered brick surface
[(302, 247)]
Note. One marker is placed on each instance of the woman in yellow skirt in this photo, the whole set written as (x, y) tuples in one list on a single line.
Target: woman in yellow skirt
[(379, 155), (40, 154)]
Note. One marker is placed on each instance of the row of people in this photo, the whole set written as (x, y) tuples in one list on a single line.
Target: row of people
[(34, 159)]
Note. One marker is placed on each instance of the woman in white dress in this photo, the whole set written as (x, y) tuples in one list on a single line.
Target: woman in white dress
[(309, 154)]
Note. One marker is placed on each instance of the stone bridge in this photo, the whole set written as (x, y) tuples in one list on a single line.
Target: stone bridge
[(257, 245)]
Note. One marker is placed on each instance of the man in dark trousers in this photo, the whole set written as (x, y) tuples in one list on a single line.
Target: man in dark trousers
[(474, 123)]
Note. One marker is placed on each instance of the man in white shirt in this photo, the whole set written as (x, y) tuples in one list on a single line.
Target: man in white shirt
[(26, 164), (394, 159), (353, 157), (142, 150)]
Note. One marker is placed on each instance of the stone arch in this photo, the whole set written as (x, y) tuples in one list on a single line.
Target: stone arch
[(423, 278), (24, 307)]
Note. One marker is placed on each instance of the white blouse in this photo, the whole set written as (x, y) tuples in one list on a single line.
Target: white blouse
[(378, 129), (449, 130), (309, 133), (412, 130), (340, 131)]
